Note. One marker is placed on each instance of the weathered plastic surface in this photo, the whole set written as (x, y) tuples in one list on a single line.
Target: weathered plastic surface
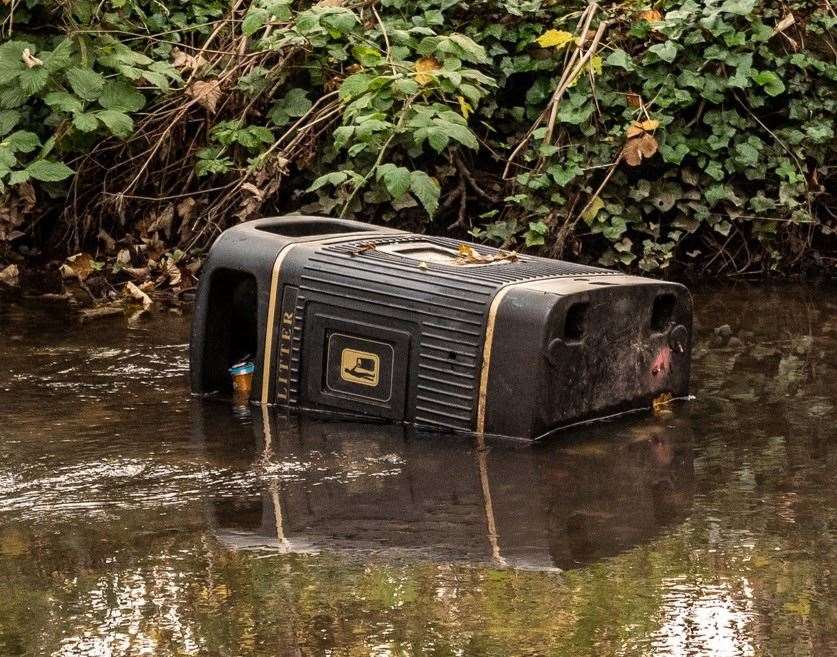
[(348, 317)]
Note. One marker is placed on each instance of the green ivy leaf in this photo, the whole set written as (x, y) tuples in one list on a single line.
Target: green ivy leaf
[(620, 59), (771, 82), (739, 7), (48, 171), (666, 52)]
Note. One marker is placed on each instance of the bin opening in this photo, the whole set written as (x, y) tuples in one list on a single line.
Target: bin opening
[(231, 327), (662, 312), (292, 227), (575, 321)]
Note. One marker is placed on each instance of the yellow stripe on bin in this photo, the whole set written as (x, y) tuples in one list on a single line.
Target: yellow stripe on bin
[(271, 317)]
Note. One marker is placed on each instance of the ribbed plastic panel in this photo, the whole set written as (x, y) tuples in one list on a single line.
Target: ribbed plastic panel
[(448, 302)]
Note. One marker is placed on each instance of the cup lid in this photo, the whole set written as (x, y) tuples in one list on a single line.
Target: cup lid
[(244, 367)]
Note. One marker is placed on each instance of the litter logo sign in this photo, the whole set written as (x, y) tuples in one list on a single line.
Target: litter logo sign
[(360, 367)]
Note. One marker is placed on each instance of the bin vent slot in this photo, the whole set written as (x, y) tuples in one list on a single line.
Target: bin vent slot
[(662, 312), (231, 326)]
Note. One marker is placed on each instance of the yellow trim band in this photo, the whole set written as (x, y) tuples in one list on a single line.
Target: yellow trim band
[(271, 317)]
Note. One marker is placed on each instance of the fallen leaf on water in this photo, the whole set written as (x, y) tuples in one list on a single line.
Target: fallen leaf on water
[(29, 59), (468, 255), (79, 266), (207, 93), (554, 38), (172, 271), (137, 294), (424, 70), (9, 275), (661, 403)]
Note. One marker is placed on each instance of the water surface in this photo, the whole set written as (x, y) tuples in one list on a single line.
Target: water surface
[(135, 520)]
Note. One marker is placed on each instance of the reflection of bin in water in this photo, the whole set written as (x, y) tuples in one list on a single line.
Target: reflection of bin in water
[(378, 489), (455, 337)]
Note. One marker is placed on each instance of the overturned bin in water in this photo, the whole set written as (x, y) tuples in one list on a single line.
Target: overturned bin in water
[(346, 317)]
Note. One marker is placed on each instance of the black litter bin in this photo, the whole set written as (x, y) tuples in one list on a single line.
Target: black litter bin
[(348, 317)]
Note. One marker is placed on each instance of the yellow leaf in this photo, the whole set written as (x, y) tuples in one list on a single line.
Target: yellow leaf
[(596, 64), (464, 107), (592, 210), (651, 15), (424, 70), (556, 38)]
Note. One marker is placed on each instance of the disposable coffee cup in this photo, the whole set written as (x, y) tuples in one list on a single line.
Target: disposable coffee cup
[(242, 381)]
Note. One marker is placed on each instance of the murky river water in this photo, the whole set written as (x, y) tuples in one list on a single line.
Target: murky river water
[(135, 520)]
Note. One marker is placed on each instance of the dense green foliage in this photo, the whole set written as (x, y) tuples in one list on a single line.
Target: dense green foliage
[(690, 131)]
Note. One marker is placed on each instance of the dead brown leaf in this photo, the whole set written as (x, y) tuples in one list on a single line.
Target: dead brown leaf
[(78, 266), (183, 61), (639, 127), (468, 255), (172, 272), (650, 15), (425, 68), (9, 275), (634, 99), (186, 208), (207, 93), (107, 241), (135, 293), (162, 222), (661, 404), (640, 147), (29, 59), (363, 248)]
